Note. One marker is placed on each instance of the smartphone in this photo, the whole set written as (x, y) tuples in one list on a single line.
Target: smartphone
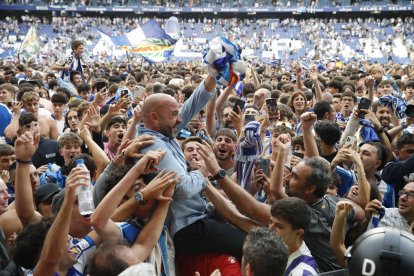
[(298, 154), (83, 66), (9, 104), (138, 91), (364, 103), (265, 166), (239, 103), (410, 110), (124, 93), (350, 140), (100, 85), (272, 108), (248, 118), (260, 113)]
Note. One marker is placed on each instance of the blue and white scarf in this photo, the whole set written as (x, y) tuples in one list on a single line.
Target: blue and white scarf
[(249, 149), (75, 65)]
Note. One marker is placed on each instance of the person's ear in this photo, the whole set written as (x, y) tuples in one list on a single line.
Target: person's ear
[(12, 182), (377, 164), (249, 271), (397, 153), (299, 233), (310, 189), (60, 151)]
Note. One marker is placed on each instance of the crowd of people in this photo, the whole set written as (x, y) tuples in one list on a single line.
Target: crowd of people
[(285, 173)]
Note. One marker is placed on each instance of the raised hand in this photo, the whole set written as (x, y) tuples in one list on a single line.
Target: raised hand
[(118, 159), (84, 133), (77, 177), (374, 120), (283, 142), (373, 206), (26, 145), (343, 208), (307, 119), (369, 81), (94, 116), (314, 75), (17, 107), (209, 158), (132, 151), (157, 187), (150, 160), (5, 176)]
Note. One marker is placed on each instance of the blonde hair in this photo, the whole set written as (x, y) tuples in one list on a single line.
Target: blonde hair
[(375, 68), (30, 96)]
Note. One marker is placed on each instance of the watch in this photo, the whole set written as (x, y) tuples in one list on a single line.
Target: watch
[(139, 198), (221, 174), (123, 154), (381, 130)]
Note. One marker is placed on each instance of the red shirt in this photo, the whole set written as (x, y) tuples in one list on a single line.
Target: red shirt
[(188, 265)]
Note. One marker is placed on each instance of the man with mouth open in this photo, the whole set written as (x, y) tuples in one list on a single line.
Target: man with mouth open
[(115, 130)]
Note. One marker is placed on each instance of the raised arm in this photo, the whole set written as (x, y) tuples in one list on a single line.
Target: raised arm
[(245, 203), (150, 234), (56, 239), (211, 116), (11, 130), (228, 211), (343, 208), (221, 101), (99, 156), (276, 181), (369, 81), (308, 119), (26, 145), (113, 110), (314, 78), (132, 130), (100, 219)]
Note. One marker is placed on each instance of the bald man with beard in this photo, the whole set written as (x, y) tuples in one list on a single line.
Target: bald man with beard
[(193, 233)]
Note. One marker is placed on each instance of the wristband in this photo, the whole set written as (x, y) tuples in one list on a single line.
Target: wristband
[(23, 162), (263, 129), (403, 125)]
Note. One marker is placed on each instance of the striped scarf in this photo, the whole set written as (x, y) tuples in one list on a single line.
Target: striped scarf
[(248, 152), (75, 65)]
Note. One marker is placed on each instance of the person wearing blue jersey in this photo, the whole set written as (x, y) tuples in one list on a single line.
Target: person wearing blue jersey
[(20, 72), (374, 157), (7, 94)]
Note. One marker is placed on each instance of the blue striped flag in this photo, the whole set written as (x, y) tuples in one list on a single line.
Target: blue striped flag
[(149, 40)]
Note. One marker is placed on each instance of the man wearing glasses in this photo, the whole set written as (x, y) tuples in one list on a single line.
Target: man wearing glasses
[(401, 217)]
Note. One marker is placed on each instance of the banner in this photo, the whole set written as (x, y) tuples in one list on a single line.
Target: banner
[(31, 43)]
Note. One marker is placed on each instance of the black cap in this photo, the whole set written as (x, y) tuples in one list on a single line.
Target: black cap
[(58, 201), (46, 191), (35, 81)]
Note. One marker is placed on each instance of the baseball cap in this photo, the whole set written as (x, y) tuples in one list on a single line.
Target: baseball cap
[(46, 191), (123, 75), (100, 72), (58, 201), (34, 81)]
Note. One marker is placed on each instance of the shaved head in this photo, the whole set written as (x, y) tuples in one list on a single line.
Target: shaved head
[(160, 112)]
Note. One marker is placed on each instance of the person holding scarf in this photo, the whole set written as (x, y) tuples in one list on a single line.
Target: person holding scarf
[(71, 62)]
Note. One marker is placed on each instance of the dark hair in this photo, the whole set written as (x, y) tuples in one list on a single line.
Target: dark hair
[(115, 120), (106, 260), (336, 85), (52, 84), (329, 132), (168, 91), (409, 83), (59, 97), (29, 243), (83, 87), (382, 153), (190, 139), (375, 106), (294, 210), (405, 139), (88, 160), (115, 177), (249, 88), (27, 118), (320, 175), (6, 150), (157, 88), (321, 107), (73, 73), (349, 94), (265, 252), (76, 43), (65, 91), (139, 76), (226, 132)]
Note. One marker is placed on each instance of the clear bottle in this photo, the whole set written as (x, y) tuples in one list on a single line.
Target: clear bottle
[(85, 199)]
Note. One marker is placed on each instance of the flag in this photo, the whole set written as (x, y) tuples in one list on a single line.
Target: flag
[(31, 43), (275, 62), (149, 40)]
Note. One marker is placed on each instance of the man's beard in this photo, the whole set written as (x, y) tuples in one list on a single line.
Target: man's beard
[(385, 122), (167, 131)]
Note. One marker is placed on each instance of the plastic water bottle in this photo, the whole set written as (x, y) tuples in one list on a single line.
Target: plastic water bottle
[(85, 199)]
